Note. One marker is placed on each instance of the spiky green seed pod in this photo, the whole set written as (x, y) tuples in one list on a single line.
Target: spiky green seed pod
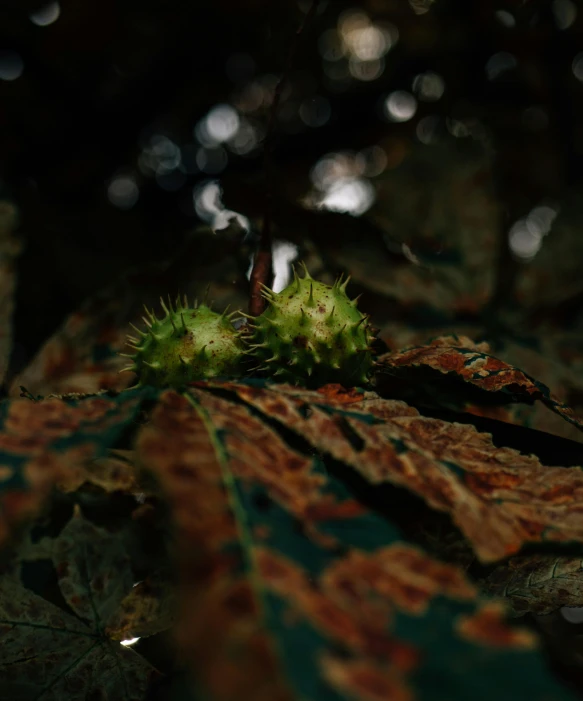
[(187, 344), (312, 334)]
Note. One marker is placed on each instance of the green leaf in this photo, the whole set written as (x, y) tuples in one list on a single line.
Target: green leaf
[(292, 589), (53, 653)]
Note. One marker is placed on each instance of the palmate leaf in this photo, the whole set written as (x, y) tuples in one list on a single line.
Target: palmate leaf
[(499, 498), (50, 653), (465, 361), (291, 589), (43, 443)]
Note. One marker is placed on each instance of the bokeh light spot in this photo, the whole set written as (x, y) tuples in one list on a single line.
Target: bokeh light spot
[(499, 63), (426, 130), (222, 123), (366, 70), (11, 65), (159, 155), (246, 139), (429, 86), (350, 196), (505, 18), (400, 106), (525, 238), (577, 66), (46, 15), (540, 219), (565, 13), (123, 191), (457, 128), (371, 161), (524, 243)]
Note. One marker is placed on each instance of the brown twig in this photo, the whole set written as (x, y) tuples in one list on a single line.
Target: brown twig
[(262, 272)]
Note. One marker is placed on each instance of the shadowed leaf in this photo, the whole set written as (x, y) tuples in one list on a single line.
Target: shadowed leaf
[(146, 610), (538, 584), (54, 654), (473, 364)]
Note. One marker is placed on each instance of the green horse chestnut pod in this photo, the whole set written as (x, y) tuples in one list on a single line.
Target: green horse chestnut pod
[(187, 344), (312, 334)]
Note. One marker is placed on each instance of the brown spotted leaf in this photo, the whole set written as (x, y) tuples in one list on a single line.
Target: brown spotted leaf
[(219, 622), (538, 583), (54, 441), (292, 589), (499, 498), (461, 359)]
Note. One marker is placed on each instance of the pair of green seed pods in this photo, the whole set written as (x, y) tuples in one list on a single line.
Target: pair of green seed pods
[(310, 334)]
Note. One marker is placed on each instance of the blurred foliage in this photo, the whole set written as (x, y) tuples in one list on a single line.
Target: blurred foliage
[(247, 540)]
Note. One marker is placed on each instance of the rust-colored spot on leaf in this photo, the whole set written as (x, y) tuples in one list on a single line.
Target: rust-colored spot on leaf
[(401, 573), (487, 627), (338, 393), (360, 679), (357, 621)]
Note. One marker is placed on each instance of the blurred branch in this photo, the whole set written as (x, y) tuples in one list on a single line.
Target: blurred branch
[(262, 272)]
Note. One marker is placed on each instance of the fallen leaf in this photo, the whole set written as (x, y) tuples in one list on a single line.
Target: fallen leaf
[(288, 591), (471, 363), (53, 654), (538, 583), (499, 498)]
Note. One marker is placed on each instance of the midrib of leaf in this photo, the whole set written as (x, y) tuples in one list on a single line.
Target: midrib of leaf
[(84, 576), (120, 673), (239, 514), (67, 670), (26, 624), (97, 620)]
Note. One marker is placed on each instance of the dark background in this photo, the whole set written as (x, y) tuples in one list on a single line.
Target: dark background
[(97, 84)]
